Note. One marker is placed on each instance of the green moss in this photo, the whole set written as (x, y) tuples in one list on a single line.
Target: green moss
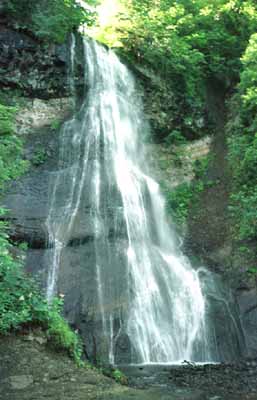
[(180, 199)]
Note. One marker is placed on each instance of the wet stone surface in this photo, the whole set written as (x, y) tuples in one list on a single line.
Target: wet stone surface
[(202, 382)]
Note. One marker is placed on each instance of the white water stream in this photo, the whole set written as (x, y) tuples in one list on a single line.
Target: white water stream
[(165, 307)]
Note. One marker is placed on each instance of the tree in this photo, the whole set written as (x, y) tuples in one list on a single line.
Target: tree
[(52, 19)]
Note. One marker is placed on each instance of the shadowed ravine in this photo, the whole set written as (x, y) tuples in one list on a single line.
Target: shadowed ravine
[(146, 291)]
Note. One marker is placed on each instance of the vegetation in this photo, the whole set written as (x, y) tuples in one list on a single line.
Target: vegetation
[(22, 305), (201, 36), (179, 199), (39, 158), (186, 43), (51, 20), (243, 148), (119, 377), (6, 119), (115, 374), (11, 162)]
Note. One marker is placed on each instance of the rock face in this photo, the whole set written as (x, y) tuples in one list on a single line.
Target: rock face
[(28, 198), (247, 300), (32, 68), (26, 66)]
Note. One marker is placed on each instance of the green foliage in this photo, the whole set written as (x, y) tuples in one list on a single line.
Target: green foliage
[(16, 293), (200, 166), (6, 119), (59, 332), (178, 201), (51, 19), (119, 377), (115, 374), (243, 148), (207, 36), (175, 137), (21, 303), (39, 157), (56, 124), (252, 270), (186, 43), (12, 164)]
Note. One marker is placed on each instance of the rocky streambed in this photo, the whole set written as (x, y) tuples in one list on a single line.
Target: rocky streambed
[(197, 382), (30, 370)]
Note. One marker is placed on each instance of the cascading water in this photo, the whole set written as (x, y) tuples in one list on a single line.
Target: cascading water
[(146, 289)]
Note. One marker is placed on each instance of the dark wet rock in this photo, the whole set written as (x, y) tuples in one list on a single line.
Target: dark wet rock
[(206, 382), (30, 68), (247, 300), (34, 69)]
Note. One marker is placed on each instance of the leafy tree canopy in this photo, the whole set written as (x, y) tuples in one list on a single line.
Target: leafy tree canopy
[(180, 34), (243, 147), (52, 19), (186, 42)]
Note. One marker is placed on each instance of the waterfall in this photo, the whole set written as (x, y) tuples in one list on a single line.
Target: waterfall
[(146, 289)]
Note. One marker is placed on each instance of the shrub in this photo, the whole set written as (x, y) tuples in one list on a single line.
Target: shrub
[(60, 334), (242, 149), (178, 201), (175, 137), (22, 305), (119, 377), (12, 163), (7, 115)]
